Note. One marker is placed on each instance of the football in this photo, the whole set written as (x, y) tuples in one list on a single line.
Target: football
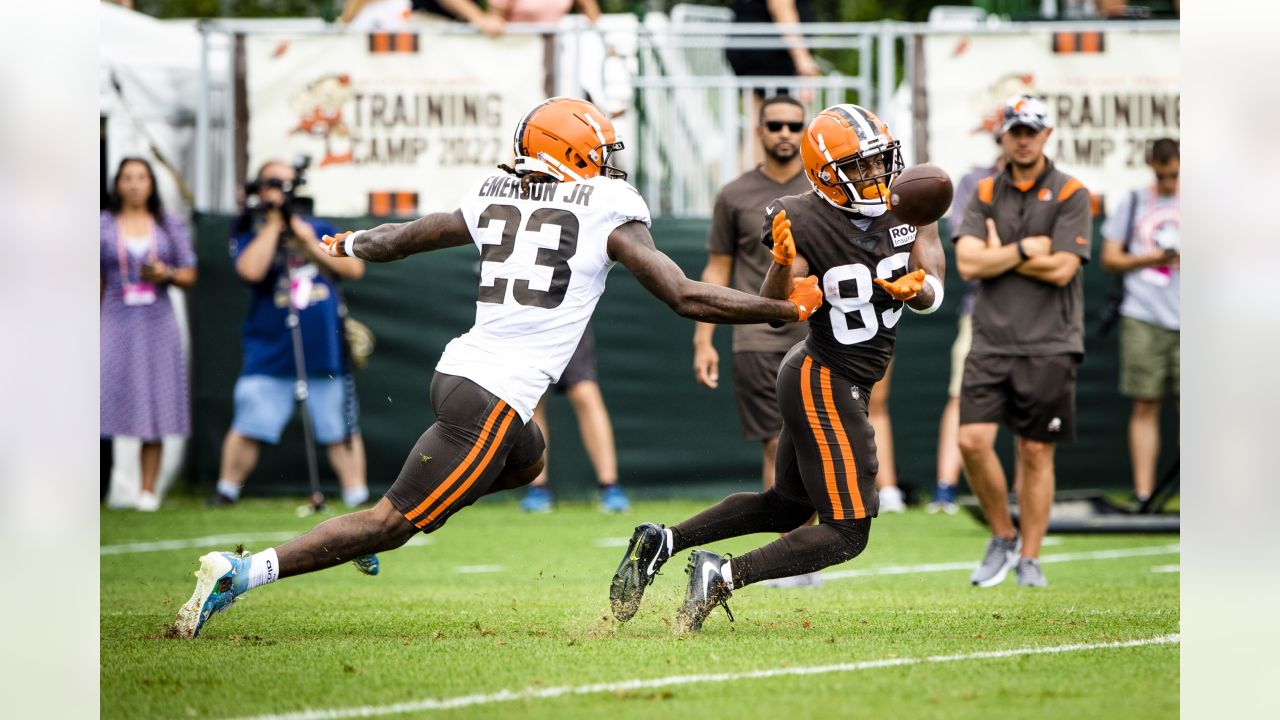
[(921, 194)]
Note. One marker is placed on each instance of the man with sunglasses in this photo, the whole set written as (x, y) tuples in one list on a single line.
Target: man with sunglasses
[(1143, 241), (735, 255)]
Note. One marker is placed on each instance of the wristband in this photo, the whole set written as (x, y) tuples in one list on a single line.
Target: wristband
[(348, 246), (1022, 253), (936, 284)]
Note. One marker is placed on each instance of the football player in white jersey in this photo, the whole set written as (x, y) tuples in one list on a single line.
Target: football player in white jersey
[(548, 231)]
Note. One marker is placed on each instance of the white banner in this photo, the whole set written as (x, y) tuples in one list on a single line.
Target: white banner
[(1109, 95), (394, 124)]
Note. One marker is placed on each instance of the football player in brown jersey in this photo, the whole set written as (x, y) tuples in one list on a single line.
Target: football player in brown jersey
[(871, 264)]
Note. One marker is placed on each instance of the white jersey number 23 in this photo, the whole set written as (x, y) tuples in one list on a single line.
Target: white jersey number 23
[(556, 258)]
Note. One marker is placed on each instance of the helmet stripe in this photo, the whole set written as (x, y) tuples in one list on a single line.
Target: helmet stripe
[(857, 119)]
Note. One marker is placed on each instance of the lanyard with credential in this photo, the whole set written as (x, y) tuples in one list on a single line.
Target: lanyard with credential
[(120, 251), (139, 293)]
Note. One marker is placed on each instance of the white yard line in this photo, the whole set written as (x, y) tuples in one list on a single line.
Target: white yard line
[(426, 704), (969, 565), (187, 543), (475, 569), (214, 541)]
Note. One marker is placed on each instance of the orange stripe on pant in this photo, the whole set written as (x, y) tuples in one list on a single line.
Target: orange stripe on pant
[(462, 466), (850, 469), (811, 413), (476, 473)]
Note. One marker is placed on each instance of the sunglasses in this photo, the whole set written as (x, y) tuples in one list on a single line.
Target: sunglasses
[(777, 125), (1167, 176)]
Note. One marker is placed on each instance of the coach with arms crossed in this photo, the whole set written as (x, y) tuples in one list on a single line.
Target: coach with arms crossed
[(1024, 235)]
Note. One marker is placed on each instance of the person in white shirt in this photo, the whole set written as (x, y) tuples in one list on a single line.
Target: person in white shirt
[(1143, 241)]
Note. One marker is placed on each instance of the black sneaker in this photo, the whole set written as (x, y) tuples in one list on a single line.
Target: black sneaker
[(645, 554), (707, 589), (219, 500)]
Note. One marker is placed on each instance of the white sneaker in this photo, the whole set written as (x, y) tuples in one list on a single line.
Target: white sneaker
[(891, 499), (148, 502)]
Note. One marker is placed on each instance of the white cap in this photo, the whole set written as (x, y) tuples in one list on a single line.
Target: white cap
[(1024, 110)]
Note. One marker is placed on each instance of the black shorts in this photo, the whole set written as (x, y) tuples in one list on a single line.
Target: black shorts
[(582, 364), (755, 383), (476, 437), (1034, 396), (756, 62), (827, 450)]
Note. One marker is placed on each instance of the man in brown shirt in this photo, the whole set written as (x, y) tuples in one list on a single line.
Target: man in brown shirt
[(1025, 236), (736, 258)]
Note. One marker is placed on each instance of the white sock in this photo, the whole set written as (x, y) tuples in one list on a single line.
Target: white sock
[(352, 497), (671, 541), (225, 487), (264, 567), (727, 573)]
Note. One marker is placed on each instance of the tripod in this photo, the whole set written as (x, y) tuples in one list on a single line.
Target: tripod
[(301, 391), (300, 394)]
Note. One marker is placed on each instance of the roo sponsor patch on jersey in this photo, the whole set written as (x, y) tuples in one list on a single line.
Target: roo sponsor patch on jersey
[(902, 235)]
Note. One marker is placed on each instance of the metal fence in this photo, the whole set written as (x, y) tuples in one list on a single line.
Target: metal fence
[(684, 114), (696, 129)]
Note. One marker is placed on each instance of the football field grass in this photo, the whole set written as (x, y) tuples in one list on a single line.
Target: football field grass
[(503, 614)]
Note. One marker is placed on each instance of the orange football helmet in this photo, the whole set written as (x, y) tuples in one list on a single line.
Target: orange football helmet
[(568, 139), (839, 149)]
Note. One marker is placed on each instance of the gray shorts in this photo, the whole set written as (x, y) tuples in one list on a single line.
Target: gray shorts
[(960, 351), (755, 379), (582, 365)]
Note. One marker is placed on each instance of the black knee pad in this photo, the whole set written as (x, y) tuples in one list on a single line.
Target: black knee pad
[(854, 533)]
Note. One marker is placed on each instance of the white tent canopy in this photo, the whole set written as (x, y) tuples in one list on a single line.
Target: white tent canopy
[(157, 66)]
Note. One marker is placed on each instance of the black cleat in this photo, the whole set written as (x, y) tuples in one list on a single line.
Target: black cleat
[(645, 555), (707, 589)]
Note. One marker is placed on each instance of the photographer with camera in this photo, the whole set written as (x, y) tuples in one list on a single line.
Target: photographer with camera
[(293, 340), (1142, 242)]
